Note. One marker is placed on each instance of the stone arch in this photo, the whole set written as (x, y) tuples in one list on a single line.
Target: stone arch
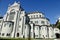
[(57, 35), (17, 34)]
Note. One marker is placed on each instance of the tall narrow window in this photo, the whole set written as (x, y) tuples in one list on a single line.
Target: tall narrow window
[(0, 21), (36, 21), (8, 35), (2, 34), (20, 19), (34, 16), (5, 25), (46, 35), (42, 22), (25, 27), (10, 25), (17, 34), (31, 17), (39, 15)]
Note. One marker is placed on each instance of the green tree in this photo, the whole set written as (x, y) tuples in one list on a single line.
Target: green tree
[(58, 25)]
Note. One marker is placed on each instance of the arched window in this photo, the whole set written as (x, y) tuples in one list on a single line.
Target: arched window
[(42, 22), (8, 34), (9, 25), (39, 15), (2, 34), (11, 15)]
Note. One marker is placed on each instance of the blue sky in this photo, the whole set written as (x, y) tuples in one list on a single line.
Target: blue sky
[(51, 8)]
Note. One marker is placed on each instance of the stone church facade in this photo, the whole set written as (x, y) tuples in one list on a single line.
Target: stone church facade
[(17, 23)]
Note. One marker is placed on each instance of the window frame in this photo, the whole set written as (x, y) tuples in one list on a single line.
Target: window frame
[(43, 22), (11, 15), (2, 34), (8, 34)]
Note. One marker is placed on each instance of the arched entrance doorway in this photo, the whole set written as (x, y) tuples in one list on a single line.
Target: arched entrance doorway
[(57, 35), (17, 34)]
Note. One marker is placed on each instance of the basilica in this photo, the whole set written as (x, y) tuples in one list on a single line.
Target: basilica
[(17, 23)]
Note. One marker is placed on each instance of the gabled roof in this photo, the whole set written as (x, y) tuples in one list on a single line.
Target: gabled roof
[(15, 3)]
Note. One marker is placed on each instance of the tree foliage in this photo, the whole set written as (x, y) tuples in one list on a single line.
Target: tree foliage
[(58, 25)]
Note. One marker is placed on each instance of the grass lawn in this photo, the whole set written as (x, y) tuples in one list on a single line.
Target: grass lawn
[(15, 39)]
